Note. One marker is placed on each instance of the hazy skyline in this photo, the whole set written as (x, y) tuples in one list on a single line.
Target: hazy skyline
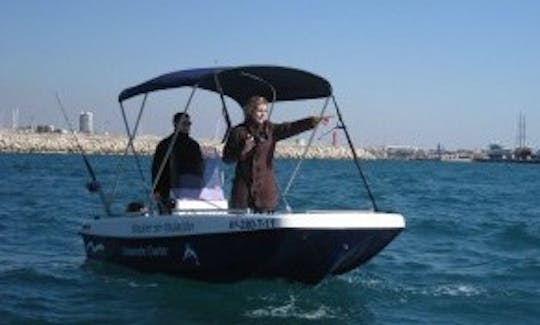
[(404, 72)]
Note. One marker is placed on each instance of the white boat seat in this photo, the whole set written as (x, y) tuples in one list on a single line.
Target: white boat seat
[(194, 193)]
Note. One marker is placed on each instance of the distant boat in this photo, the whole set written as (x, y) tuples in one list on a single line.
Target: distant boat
[(497, 153), (457, 157)]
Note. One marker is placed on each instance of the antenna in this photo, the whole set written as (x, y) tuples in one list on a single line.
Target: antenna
[(521, 134), (524, 135)]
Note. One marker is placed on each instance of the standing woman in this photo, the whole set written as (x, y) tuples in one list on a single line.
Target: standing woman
[(251, 145)]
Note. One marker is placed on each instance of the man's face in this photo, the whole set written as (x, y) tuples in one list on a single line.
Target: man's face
[(184, 124)]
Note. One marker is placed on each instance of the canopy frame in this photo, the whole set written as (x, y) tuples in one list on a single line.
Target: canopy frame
[(260, 80)]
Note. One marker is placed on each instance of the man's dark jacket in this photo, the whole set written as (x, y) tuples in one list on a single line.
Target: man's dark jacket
[(185, 158)]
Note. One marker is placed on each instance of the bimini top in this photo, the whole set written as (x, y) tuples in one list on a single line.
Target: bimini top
[(240, 83)]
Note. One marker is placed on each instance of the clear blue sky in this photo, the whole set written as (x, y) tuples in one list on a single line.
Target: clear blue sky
[(404, 72)]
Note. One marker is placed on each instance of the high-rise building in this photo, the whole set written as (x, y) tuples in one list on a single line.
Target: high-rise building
[(86, 122)]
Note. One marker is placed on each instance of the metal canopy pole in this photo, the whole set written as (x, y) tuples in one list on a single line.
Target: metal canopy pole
[(355, 156), (131, 136), (224, 110), (310, 142)]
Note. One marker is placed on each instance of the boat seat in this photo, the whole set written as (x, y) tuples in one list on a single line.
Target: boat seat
[(194, 193)]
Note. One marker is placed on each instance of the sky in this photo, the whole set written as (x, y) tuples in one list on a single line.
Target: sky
[(417, 73)]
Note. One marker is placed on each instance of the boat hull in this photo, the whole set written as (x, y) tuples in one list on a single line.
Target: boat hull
[(261, 246)]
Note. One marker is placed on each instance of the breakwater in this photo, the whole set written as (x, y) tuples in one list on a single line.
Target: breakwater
[(31, 142)]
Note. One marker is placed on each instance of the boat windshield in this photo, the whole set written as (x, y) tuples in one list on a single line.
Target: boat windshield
[(209, 188)]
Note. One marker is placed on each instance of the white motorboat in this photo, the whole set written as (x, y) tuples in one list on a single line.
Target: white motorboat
[(202, 239)]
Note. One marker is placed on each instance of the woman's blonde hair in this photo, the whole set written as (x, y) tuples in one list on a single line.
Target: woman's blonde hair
[(252, 103)]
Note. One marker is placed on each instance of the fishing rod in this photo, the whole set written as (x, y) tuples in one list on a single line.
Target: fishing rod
[(94, 185)]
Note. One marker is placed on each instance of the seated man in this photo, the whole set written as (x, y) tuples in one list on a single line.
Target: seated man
[(185, 158)]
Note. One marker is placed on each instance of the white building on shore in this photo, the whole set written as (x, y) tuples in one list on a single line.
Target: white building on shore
[(86, 122)]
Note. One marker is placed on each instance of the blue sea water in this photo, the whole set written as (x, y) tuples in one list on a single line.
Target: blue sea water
[(470, 253)]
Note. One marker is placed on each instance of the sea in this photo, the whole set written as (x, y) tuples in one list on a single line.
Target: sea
[(470, 253)]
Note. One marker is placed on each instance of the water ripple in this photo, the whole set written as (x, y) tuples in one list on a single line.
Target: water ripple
[(470, 252)]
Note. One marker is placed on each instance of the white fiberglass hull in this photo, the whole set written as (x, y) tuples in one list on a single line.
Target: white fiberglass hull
[(224, 246)]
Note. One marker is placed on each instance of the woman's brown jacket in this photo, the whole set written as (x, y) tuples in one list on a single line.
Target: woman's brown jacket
[(254, 185)]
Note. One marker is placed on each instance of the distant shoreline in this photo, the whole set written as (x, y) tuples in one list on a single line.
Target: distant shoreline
[(31, 142)]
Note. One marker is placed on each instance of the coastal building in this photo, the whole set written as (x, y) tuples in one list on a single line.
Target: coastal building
[(497, 152), (45, 128), (396, 152), (86, 122)]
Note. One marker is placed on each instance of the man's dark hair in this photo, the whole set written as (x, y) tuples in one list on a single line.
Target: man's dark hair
[(178, 116)]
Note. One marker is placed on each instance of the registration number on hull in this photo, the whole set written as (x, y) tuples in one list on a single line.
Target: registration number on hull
[(252, 224)]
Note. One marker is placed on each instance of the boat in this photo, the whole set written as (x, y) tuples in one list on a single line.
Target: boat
[(458, 156), (202, 239)]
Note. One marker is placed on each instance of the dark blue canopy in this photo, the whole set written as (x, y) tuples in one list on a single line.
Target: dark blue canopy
[(242, 82)]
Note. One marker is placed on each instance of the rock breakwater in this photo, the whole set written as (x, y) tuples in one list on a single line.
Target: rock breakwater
[(30, 142)]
